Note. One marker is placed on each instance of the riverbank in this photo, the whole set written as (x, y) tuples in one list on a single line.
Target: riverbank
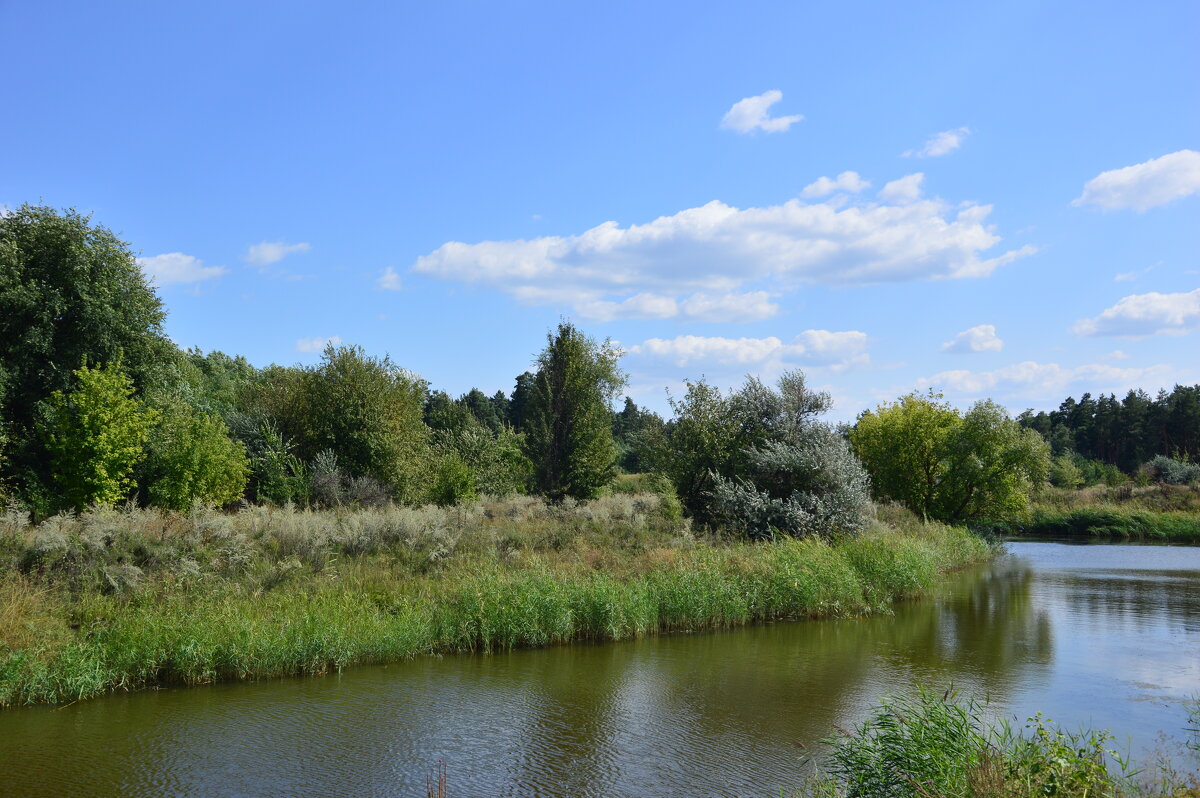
[(112, 601), (1166, 513)]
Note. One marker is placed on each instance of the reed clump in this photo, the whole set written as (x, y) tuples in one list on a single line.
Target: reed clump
[(123, 600), (927, 745)]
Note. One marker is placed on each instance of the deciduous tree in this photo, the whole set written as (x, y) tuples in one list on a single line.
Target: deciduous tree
[(568, 427)]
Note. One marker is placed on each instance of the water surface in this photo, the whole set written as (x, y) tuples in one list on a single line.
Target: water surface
[(1103, 635)]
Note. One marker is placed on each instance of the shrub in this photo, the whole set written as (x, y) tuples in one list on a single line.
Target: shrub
[(96, 434), (192, 458), (1172, 472), (798, 476)]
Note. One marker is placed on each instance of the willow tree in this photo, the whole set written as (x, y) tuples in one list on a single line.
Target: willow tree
[(569, 424), (922, 453)]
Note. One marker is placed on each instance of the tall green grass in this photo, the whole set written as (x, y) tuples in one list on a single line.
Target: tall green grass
[(1102, 522), (926, 746), (281, 602), (1168, 513)]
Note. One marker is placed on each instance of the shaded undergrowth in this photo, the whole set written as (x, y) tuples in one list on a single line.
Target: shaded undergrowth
[(127, 600)]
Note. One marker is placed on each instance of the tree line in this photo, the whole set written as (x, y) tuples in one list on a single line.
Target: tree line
[(1127, 432), (99, 407)]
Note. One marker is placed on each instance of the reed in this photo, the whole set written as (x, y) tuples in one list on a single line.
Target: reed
[(942, 745), (136, 599)]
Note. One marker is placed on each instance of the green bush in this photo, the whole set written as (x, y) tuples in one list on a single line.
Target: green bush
[(96, 434), (924, 745), (193, 459)]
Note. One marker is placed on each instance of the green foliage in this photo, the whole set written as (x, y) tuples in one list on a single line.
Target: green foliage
[(1172, 472), (568, 428), (192, 458), (635, 431), (759, 461), (925, 745), (922, 453), (368, 411), (112, 600), (441, 413), (904, 446), (496, 463), (95, 435), (1105, 522), (1123, 432), (453, 482), (214, 383), (703, 441), (1064, 473), (795, 475), (70, 292)]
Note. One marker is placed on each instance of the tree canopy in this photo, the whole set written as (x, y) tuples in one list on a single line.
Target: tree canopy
[(953, 467), (71, 292), (568, 427)]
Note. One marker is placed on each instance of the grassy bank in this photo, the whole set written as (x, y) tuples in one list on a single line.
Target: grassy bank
[(929, 745), (127, 600), (1159, 512)]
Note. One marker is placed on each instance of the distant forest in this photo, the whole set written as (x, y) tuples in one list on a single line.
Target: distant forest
[(1123, 432)]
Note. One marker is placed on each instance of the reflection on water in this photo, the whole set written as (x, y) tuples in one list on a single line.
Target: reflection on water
[(1108, 635)]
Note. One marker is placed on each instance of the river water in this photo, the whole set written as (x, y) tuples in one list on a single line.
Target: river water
[(1102, 635)]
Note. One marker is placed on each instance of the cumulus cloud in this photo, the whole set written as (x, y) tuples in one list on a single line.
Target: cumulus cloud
[(940, 143), (268, 252), (317, 344), (176, 268), (389, 280), (1034, 380), (906, 189), (811, 347), (847, 181), (1146, 314), (751, 113), (1145, 185), (981, 338), (719, 262)]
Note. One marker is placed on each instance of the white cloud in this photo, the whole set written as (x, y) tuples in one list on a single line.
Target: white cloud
[(811, 347), (1146, 314), (940, 143), (720, 262), (317, 344), (269, 252), (175, 268), (389, 280), (906, 189), (1145, 185), (729, 307), (981, 338), (750, 113), (1117, 354), (846, 181), (1034, 380)]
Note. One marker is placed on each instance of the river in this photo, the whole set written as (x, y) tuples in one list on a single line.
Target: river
[(1102, 635)]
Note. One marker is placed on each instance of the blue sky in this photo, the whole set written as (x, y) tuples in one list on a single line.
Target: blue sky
[(997, 201)]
